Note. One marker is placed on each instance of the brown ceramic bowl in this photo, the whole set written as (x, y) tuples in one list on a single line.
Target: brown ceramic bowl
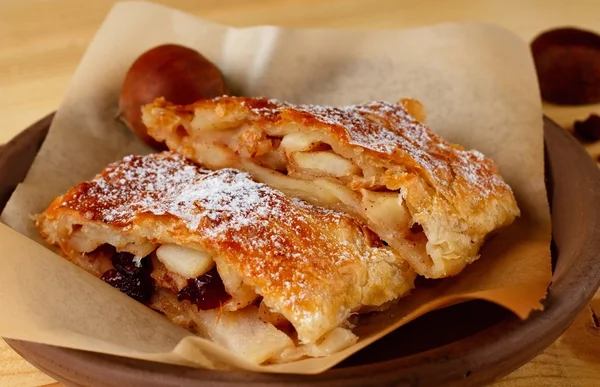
[(467, 344)]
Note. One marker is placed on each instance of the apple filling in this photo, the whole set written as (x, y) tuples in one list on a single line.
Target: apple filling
[(171, 279), (445, 200), (183, 270), (286, 159), (339, 183)]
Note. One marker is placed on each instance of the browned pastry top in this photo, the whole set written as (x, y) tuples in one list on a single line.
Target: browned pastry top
[(387, 131), (457, 196), (313, 264)]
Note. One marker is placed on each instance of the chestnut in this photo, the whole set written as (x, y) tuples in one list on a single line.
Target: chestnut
[(179, 74), (588, 130)]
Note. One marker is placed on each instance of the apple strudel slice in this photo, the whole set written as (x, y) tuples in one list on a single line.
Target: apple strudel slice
[(268, 276), (431, 200)]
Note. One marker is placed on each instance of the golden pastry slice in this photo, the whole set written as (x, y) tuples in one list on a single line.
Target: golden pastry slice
[(431, 200), (268, 276)]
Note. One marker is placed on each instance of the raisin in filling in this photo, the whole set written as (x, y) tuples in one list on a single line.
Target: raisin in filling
[(206, 292), (416, 228), (129, 277)]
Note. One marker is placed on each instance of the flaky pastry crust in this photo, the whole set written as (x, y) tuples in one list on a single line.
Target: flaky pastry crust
[(456, 196), (312, 265)]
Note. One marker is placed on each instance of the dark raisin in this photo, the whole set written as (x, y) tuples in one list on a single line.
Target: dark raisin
[(588, 130), (136, 287), (133, 280), (206, 292), (416, 228), (125, 263)]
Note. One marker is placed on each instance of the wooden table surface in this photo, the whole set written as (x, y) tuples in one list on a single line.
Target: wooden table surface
[(41, 42)]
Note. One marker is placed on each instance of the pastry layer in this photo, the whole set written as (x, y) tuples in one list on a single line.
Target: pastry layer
[(431, 200), (313, 266)]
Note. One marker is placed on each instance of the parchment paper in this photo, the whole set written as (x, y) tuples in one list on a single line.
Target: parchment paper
[(479, 88)]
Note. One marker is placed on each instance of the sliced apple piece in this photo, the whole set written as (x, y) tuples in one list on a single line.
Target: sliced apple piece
[(386, 208), (184, 261), (244, 333), (324, 163), (332, 342), (294, 142)]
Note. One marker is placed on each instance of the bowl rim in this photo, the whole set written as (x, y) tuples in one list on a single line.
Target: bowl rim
[(511, 342)]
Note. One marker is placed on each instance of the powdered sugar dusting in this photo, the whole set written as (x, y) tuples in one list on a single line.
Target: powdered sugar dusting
[(399, 140), (365, 125), (389, 129)]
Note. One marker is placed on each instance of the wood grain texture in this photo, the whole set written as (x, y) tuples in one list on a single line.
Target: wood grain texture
[(43, 40), (14, 371)]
